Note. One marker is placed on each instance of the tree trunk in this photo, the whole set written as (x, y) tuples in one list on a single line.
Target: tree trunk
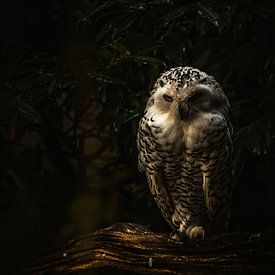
[(135, 248)]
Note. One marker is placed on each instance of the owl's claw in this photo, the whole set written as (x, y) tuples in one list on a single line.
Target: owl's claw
[(177, 234), (173, 236), (192, 232)]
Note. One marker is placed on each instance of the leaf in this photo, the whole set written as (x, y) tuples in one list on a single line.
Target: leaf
[(145, 60), (29, 113), (208, 13), (106, 79), (100, 8), (119, 47), (174, 15), (120, 123), (255, 137)]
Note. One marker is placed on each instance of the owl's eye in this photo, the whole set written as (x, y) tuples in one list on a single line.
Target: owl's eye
[(168, 98)]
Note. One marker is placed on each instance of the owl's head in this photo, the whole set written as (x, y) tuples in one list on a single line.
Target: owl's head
[(184, 92)]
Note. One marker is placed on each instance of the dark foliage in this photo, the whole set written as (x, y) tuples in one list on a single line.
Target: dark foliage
[(75, 76)]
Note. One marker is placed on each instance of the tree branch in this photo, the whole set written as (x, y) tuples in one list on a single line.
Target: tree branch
[(135, 248)]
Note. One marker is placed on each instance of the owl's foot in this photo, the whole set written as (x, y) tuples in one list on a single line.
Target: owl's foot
[(192, 232), (176, 236), (195, 232)]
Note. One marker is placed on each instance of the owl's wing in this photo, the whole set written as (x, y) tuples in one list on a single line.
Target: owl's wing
[(216, 174), (151, 162)]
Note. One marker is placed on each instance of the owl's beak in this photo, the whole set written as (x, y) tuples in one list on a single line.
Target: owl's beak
[(183, 110)]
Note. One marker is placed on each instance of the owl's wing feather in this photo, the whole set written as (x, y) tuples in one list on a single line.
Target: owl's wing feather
[(151, 162), (160, 193), (216, 173)]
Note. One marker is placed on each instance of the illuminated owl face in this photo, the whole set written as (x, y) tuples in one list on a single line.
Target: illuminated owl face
[(183, 94)]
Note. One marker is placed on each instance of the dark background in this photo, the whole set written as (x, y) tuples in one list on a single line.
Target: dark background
[(74, 80)]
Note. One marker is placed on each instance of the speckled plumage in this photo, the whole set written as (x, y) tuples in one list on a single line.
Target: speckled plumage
[(184, 143)]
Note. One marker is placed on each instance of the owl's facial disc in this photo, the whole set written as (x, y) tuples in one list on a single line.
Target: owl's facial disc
[(189, 100), (184, 110)]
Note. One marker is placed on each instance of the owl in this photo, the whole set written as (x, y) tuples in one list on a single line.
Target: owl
[(184, 141)]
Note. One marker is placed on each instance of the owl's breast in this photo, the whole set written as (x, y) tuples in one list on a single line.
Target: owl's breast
[(167, 132), (204, 131)]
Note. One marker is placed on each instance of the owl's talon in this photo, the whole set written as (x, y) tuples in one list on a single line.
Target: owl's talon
[(174, 231), (177, 235), (173, 236)]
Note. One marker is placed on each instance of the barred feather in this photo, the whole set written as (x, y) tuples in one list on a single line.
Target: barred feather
[(188, 160)]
